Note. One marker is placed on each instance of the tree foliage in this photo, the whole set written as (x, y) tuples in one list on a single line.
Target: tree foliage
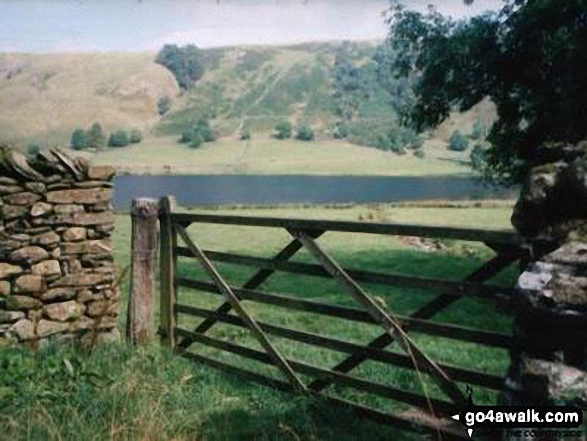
[(96, 136), (119, 138), (199, 133), (79, 139), (529, 59), (305, 133), (184, 62), (282, 130), (458, 142)]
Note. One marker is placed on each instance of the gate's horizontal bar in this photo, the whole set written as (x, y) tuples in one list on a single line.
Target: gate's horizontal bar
[(423, 326), (469, 234), (456, 288), (403, 423), (359, 384), (392, 358)]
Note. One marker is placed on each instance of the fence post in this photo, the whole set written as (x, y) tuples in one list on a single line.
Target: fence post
[(144, 217), (168, 264)]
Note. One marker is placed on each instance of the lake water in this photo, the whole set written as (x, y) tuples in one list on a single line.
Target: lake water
[(249, 189)]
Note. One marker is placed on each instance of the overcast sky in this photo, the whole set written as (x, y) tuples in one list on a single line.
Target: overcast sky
[(137, 25)]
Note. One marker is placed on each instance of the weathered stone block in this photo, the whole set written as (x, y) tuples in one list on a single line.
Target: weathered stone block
[(18, 302), (46, 328), (64, 311), (24, 329), (102, 308), (40, 209), (4, 288), (81, 280), (60, 293), (104, 172), (47, 239), (84, 219), (10, 316), (30, 283), (87, 247), (48, 268), (74, 234), (36, 187), (86, 295), (25, 198), (8, 270), (9, 189), (30, 254), (68, 208), (13, 211), (80, 196)]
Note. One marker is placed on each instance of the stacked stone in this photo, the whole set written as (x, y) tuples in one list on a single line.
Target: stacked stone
[(57, 273), (549, 362)]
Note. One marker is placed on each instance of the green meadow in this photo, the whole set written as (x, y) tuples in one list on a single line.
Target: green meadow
[(118, 392)]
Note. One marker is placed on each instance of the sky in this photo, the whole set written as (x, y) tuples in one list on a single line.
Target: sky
[(145, 25)]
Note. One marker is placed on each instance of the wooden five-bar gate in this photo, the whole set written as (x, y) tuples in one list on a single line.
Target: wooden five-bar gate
[(395, 329)]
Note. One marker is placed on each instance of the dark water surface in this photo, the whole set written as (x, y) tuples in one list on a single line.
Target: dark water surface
[(251, 189)]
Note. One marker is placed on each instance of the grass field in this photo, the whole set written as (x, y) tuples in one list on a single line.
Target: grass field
[(121, 393), (266, 156)]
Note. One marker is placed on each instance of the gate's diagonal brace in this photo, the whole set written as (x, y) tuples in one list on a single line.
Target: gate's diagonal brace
[(256, 279), (391, 326), (231, 298), (485, 272)]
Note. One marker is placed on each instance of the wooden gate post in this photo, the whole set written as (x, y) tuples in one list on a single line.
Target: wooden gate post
[(144, 217), (168, 263)]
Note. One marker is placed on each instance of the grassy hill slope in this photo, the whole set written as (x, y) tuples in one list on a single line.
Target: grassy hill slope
[(45, 96)]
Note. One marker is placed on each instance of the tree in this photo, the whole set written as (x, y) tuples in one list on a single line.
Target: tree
[(283, 130), (458, 142), (163, 105), (529, 59), (305, 133), (135, 136), (96, 137), (79, 140), (199, 133), (118, 139), (184, 62)]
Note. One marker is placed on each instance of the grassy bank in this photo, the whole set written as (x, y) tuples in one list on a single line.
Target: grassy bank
[(146, 394), (266, 156)]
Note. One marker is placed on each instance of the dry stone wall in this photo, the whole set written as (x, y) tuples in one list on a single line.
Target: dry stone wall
[(57, 272)]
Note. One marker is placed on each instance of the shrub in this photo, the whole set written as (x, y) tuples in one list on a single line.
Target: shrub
[(245, 135), (419, 153), (458, 142), (119, 139), (283, 130), (96, 136), (163, 105), (199, 133), (184, 62), (340, 130), (305, 133), (195, 140), (79, 140), (135, 136)]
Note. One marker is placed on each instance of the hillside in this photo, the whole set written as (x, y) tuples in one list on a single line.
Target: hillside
[(45, 96)]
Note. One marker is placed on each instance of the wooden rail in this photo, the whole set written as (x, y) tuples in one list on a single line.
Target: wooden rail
[(397, 329)]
